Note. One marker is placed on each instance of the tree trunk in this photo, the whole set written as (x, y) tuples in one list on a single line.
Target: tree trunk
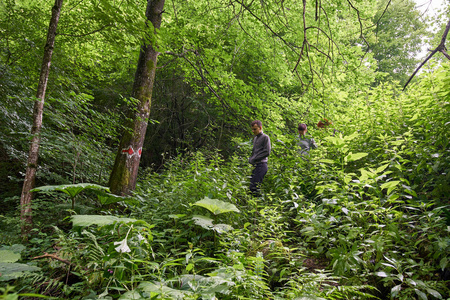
[(28, 184), (124, 174)]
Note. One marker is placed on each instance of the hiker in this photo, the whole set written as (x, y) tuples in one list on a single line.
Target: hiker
[(305, 143), (259, 157)]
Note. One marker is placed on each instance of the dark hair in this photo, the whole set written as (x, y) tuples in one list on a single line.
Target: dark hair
[(301, 127), (256, 122)]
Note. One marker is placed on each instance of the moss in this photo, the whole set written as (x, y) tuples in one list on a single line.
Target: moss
[(150, 65)]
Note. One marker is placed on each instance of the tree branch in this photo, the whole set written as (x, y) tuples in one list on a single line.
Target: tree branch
[(53, 256), (441, 48)]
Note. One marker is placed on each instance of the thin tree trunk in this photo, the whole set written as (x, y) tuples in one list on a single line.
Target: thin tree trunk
[(32, 163), (124, 174)]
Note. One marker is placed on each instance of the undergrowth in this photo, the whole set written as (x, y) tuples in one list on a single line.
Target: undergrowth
[(365, 216)]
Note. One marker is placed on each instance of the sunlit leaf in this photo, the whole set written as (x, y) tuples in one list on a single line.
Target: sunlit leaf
[(70, 189), (395, 290), (421, 294), (434, 293), (355, 156), (203, 221), (9, 256), (216, 206), (390, 185), (381, 274), (100, 220), (327, 161), (382, 168)]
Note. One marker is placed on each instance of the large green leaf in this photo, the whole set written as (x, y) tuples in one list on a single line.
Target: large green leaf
[(16, 248), (100, 220), (70, 189), (216, 206), (9, 256), (10, 271), (207, 223)]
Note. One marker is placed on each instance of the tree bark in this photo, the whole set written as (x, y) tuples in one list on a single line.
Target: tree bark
[(124, 174), (33, 155)]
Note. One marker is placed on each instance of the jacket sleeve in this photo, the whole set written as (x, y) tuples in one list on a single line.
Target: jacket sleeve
[(313, 144)]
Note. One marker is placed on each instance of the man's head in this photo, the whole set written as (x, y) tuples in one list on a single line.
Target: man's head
[(256, 127), (302, 129)]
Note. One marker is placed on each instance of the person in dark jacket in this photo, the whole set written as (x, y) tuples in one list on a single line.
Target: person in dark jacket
[(259, 157)]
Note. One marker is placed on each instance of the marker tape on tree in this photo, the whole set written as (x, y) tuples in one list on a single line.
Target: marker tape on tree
[(130, 151)]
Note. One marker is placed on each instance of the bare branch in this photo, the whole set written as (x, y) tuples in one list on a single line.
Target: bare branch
[(55, 257), (441, 48), (445, 53), (199, 68), (305, 42), (247, 8)]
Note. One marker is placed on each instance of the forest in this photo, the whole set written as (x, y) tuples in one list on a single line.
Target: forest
[(125, 137)]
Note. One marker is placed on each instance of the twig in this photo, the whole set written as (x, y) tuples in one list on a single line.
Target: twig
[(55, 257)]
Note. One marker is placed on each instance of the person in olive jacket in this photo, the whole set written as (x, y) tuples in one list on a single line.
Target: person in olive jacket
[(259, 157)]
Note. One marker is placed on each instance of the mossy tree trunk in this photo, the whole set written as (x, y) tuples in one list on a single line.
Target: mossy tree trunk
[(33, 155), (124, 174)]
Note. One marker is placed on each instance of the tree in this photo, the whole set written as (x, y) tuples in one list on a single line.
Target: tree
[(32, 163), (399, 36), (125, 170)]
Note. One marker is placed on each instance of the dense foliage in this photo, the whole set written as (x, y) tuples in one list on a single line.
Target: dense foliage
[(364, 216)]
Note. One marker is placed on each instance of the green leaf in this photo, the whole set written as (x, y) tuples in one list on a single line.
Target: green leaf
[(390, 186), (381, 274), (189, 267), (443, 263), (434, 293), (382, 168), (9, 256), (327, 161), (107, 198), (160, 288), (100, 220), (355, 156), (131, 295), (203, 221), (216, 206), (421, 294), (177, 216), (10, 271), (395, 290), (220, 228), (207, 223), (70, 189), (16, 248)]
